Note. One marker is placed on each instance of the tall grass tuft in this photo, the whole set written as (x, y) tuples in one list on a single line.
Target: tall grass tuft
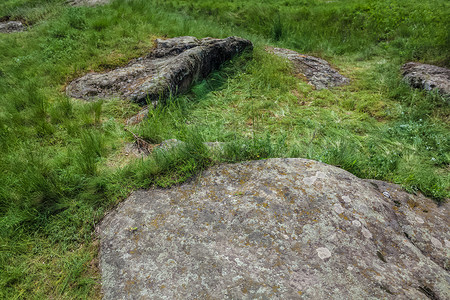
[(277, 28)]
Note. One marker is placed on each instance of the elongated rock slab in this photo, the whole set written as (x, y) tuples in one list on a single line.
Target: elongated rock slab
[(276, 229), (171, 68), (317, 71), (427, 77), (11, 26)]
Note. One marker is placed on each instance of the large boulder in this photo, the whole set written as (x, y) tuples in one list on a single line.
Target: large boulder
[(11, 26), (276, 229), (171, 68), (317, 71), (427, 77)]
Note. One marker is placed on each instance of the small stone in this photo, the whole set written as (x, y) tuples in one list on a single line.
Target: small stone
[(386, 194), (437, 243), (323, 252), (170, 144), (346, 199), (356, 223), (366, 233), (338, 208), (419, 220)]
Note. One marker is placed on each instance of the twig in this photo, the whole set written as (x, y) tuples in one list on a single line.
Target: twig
[(141, 144)]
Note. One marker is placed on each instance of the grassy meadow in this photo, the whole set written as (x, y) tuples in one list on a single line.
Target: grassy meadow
[(62, 163)]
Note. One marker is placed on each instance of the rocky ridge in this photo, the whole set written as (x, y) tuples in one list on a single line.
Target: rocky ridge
[(170, 69)]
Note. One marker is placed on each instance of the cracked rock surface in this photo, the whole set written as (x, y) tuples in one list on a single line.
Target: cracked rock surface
[(317, 71), (11, 26), (276, 229), (171, 68), (427, 77)]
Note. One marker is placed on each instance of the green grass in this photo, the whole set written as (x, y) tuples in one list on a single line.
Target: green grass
[(62, 165)]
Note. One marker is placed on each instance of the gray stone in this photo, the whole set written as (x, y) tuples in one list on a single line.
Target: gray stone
[(171, 68), (11, 26), (170, 144), (317, 71), (276, 229), (427, 77)]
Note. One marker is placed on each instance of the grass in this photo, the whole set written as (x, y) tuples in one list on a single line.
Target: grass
[(59, 157)]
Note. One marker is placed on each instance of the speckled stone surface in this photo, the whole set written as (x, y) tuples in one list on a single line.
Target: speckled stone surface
[(317, 71), (276, 229), (11, 27), (427, 77), (171, 68)]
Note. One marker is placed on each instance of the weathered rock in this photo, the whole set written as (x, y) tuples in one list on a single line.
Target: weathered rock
[(170, 144), (410, 211), (11, 26), (171, 68), (276, 229), (317, 71), (427, 77)]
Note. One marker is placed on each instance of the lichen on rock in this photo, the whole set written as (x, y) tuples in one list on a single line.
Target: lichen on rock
[(317, 71), (260, 230), (427, 77), (169, 69)]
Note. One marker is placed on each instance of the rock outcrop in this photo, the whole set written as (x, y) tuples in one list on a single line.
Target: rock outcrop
[(317, 71), (11, 26), (276, 229), (171, 68), (427, 77)]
